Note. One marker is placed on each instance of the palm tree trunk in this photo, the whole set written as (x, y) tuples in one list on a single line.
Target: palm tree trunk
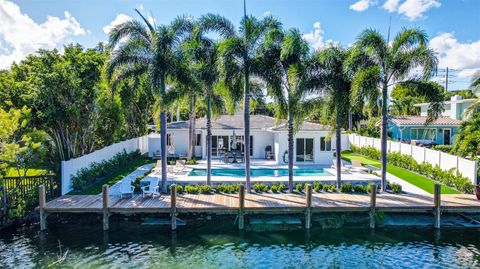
[(209, 138), (290, 151), (246, 118), (384, 136), (350, 120), (191, 129), (163, 142), (338, 150)]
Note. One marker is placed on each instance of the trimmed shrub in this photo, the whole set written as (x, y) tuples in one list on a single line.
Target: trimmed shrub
[(179, 189), (86, 177), (299, 187), (191, 189), (260, 187), (359, 188), (346, 188), (450, 177), (396, 188), (274, 188), (205, 189), (281, 187), (191, 162), (317, 186)]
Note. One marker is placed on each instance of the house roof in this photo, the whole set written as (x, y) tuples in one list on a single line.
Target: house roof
[(471, 100), (421, 120), (261, 122)]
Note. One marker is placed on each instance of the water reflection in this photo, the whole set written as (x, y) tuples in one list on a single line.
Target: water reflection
[(218, 246)]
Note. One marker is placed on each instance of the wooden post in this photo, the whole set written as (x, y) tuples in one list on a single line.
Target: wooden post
[(241, 207), (437, 204), (42, 202), (308, 205), (106, 214), (173, 205), (373, 201)]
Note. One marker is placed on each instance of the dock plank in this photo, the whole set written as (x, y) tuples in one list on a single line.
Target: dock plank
[(261, 202)]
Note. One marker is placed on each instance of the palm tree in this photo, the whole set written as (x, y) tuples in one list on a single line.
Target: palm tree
[(376, 64), (336, 84), (289, 71), (139, 47), (203, 52), (237, 62), (475, 86)]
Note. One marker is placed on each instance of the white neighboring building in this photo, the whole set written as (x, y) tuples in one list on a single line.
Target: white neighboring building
[(314, 143)]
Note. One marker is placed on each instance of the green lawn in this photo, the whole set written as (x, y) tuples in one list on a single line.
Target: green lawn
[(12, 172), (115, 177), (420, 181)]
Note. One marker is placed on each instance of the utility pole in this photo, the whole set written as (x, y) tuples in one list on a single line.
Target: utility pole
[(446, 79)]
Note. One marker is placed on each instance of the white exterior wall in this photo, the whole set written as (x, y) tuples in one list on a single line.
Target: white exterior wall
[(180, 142), (70, 167), (446, 161), (319, 157)]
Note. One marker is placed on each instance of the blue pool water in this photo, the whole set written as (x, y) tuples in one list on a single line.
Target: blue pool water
[(260, 172)]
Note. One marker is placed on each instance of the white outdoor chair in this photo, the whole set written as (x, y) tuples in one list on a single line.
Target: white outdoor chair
[(179, 166), (343, 167), (151, 188), (126, 188), (358, 167)]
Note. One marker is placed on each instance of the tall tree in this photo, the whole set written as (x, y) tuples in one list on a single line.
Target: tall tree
[(290, 73), (204, 53), (376, 63), (237, 63), (139, 47), (337, 86)]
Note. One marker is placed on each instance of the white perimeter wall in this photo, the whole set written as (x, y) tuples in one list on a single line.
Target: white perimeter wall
[(70, 167), (446, 161), (320, 157)]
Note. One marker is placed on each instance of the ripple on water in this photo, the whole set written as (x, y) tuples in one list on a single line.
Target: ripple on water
[(217, 249)]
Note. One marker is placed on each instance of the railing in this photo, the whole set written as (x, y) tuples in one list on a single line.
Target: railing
[(27, 189)]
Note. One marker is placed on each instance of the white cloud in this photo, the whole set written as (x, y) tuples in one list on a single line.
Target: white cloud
[(121, 18), (362, 5), (267, 13), (315, 38), (457, 55), (22, 36), (412, 9), (391, 5)]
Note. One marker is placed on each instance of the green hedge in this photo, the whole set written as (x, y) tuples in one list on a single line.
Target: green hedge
[(449, 177), (85, 177)]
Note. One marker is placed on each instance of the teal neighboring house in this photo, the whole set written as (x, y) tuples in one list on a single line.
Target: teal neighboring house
[(441, 131)]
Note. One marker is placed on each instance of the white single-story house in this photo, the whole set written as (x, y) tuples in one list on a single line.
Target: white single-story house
[(314, 143)]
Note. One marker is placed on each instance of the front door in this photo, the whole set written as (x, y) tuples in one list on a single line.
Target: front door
[(304, 152), (446, 136)]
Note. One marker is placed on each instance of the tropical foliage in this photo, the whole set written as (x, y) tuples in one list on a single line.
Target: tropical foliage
[(375, 63)]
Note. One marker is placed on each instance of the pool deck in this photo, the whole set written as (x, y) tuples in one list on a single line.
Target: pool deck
[(182, 177)]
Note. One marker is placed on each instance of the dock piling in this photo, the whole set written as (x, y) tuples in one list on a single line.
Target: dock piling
[(42, 203), (437, 204), (173, 205), (241, 207), (308, 207), (373, 201), (106, 214)]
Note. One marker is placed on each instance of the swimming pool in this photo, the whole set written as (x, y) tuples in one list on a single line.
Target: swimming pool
[(259, 172)]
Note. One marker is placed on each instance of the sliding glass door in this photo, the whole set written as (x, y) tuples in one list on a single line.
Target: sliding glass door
[(304, 151)]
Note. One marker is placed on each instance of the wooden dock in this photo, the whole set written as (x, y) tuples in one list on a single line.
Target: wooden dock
[(247, 203)]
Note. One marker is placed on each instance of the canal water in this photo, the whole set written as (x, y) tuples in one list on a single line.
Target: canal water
[(223, 246)]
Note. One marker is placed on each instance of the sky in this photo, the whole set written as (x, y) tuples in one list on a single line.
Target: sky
[(453, 26)]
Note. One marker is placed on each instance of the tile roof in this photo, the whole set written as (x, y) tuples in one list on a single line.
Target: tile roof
[(261, 122), (420, 120)]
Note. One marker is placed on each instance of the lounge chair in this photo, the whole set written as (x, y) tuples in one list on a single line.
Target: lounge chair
[(179, 166), (158, 166), (343, 167), (152, 188), (358, 167), (126, 188)]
